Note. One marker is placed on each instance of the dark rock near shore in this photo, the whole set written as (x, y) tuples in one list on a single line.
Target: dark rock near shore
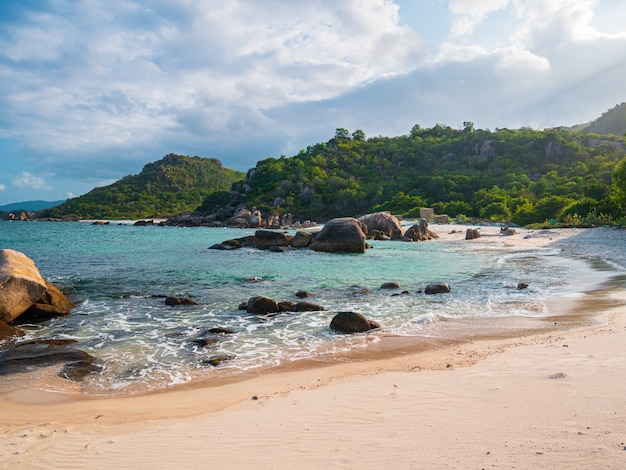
[(342, 235), (218, 359), (262, 305), (221, 331), (390, 285), (307, 307), (522, 285), (352, 322), (171, 300), (43, 353), (472, 233), (203, 342), (358, 290), (437, 288), (286, 306), (302, 294)]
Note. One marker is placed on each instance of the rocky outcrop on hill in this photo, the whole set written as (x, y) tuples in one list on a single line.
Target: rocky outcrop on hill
[(240, 217)]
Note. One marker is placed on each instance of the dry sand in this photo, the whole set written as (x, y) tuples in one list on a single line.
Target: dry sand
[(551, 398)]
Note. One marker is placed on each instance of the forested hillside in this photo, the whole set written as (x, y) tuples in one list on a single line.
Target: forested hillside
[(167, 187), (519, 175), (611, 122)]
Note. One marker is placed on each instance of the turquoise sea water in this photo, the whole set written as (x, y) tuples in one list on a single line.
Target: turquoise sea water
[(116, 273)]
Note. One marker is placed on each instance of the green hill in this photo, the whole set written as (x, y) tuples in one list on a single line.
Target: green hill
[(167, 187), (612, 122), (521, 175)]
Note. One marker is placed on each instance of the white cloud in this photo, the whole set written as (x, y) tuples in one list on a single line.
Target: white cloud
[(468, 15), (30, 181), (3, 187), (122, 74)]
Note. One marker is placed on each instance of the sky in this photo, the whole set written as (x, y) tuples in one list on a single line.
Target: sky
[(92, 90)]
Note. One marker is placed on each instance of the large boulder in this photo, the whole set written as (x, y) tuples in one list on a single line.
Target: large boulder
[(383, 222), (267, 239), (419, 232), (21, 284), (342, 235), (52, 303), (302, 239), (352, 322)]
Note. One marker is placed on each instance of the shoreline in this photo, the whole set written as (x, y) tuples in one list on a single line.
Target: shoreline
[(355, 394)]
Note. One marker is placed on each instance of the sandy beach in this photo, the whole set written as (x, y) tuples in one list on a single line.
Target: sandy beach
[(551, 396)]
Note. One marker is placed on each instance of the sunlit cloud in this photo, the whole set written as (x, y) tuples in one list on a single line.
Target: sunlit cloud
[(30, 181)]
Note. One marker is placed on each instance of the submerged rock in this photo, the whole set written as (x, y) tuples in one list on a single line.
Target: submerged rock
[(218, 359), (171, 300)]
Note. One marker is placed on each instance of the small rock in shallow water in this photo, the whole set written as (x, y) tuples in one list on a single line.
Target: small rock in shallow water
[(218, 359), (301, 294)]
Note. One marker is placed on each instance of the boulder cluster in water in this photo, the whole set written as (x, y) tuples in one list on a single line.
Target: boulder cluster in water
[(341, 235)]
